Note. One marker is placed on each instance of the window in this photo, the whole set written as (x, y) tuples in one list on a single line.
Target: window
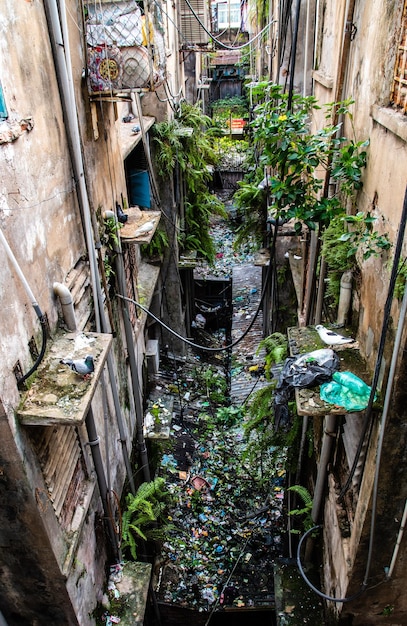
[(229, 14), (399, 89)]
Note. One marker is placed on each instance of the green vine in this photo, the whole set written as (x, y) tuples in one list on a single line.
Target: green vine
[(297, 161), (187, 143)]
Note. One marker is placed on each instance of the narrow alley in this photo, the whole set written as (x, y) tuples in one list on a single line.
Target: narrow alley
[(226, 526)]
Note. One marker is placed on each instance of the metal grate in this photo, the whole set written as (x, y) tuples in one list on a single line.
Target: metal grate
[(399, 89), (126, 49)]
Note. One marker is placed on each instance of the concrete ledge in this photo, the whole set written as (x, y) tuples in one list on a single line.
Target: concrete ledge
[(323, 79), (394, 121), (133, 588)]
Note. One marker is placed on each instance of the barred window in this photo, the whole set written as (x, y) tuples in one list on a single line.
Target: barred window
[(399, 89)]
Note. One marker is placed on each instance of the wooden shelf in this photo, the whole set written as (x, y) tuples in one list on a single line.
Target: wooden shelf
[(306, 339), (57, 395), (130, 139), (135, 221)]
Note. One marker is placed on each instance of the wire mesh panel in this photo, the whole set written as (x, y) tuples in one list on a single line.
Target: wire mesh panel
[(125, 47)]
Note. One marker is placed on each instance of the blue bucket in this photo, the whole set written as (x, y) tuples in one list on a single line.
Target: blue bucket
[(139, 188)]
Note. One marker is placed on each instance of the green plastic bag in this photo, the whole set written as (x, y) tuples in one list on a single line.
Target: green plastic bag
[(347, 390)]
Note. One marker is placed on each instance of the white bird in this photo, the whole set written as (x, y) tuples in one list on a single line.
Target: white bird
[(330, 337), (144, 229)]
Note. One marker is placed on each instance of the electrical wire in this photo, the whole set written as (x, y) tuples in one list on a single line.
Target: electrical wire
[(191, 343), (220, 43), (309, 583)]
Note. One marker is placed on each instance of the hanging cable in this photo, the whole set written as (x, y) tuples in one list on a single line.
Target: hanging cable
[(309, 583), (293, 55), (191, 343), (220, 43), (35, 306)]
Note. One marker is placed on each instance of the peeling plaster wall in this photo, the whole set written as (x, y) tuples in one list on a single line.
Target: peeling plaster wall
[(41, 220), (368, 80)]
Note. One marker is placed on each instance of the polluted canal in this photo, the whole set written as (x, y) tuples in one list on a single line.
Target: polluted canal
[(225, 527)]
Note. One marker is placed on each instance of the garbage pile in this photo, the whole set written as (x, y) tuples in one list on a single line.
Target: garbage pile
[(226, 256), (228, 527)]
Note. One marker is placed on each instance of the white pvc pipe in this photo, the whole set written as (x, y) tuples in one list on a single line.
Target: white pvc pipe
[(345, 297), (66, 301), (17, 268), (62, 53), (398, 542)]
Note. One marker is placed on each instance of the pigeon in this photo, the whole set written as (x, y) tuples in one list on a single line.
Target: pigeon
[(144, 229), (82, 367), (330, 337), (122, 217)]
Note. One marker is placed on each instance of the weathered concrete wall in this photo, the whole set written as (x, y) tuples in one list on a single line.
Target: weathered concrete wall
[(368, 79), (39, 588), (40, 217)]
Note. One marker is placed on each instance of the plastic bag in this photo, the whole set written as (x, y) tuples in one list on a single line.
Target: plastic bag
[(347, 390), (306, 370)]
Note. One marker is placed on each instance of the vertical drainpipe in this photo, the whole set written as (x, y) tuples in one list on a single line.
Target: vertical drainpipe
[(330, 423), (100, 318), (326, 448), (128, 329), (68, 103)]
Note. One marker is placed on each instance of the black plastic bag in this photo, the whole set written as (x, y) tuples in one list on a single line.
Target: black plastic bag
[(306, 370)]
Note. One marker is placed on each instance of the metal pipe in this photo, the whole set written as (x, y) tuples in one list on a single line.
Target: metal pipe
[(66, 301), (321, 291), (307, 29), (115, 394), (386, 405), (100, 473), (310, 286), (293, 55), (128, 329), (327, 443), (34, 303), (380, 349), (64, 73)]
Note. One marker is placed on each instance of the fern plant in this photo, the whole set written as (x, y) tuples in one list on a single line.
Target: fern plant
[(143, 518), (157, 245), (276, 347), (304, 513)]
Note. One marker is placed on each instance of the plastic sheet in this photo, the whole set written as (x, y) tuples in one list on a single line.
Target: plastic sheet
[(347, 390)]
